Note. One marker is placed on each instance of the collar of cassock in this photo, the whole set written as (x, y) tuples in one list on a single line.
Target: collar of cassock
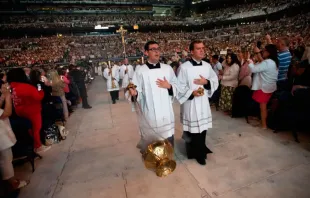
[(195, 63), (153, 66)]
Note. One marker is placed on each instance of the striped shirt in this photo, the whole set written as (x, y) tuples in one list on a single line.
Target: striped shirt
[(284, 63)]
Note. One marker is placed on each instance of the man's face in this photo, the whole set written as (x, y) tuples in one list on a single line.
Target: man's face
[(153, 53), (199, 51), (125, 61)]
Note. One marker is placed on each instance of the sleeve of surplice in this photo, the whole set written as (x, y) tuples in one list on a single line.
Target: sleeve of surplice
[(183, 91), (130, 72), (212, 81), (116, 75), (136, 80), (174, 84), (122, 72), (106, 73)]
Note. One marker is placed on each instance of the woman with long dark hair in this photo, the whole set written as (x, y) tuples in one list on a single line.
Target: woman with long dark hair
[(229, 81), (27, 103), (265, 78)]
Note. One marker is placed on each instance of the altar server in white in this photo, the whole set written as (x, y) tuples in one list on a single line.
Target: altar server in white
[(112, 76), (156, 87), (195, 108), (126, 73)]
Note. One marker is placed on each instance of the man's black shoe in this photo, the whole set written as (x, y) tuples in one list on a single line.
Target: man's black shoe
[(201, 161), (87, 107)]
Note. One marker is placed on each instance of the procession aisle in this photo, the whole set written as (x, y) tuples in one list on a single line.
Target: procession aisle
[(99, 159)]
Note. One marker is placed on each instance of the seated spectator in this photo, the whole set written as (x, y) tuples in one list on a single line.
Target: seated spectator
[(27, 104), (7, 140), (265, 78)]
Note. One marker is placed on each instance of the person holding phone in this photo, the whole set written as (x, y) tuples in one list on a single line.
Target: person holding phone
[(265, 78)]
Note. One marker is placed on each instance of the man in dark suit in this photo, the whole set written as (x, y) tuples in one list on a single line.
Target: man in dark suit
[(78, 78)]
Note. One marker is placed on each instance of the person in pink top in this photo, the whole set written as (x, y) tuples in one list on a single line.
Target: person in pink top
[(64, 78), (245, 74)]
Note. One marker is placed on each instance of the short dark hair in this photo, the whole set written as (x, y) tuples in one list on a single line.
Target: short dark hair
[(147, 45), (273, 53), (35, 76), (192, 45), (216, 57), (17, 75)]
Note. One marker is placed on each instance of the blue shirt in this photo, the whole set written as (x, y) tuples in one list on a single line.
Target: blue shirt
[(285, 58)]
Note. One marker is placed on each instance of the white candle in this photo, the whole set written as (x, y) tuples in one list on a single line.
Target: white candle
[(109, 64), (142, 60)]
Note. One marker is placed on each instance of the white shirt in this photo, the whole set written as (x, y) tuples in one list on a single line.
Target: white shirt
[(7, 137), (265, 76), (217, 67)]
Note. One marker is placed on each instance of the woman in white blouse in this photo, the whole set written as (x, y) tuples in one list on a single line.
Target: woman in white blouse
[(265, 78)]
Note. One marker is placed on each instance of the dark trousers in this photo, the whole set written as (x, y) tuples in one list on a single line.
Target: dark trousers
[(84, 101), (83, 94), (171, 140), (114, 95), (195, 145)]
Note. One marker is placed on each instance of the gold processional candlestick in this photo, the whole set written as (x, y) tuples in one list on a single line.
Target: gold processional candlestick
[(122, 31)]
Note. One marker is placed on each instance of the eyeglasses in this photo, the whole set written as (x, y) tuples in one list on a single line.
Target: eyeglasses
[(154, 49)]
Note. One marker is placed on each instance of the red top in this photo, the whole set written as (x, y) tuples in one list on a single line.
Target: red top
[(67, 82), (26, 97)]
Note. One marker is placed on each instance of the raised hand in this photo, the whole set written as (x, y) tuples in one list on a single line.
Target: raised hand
[(5, 89)]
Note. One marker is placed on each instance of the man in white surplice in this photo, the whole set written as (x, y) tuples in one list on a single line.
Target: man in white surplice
[(126, 73), (112, 76), (195, 108), (156, 87)]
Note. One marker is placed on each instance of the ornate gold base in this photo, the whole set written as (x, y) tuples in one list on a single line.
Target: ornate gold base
[(159, 158)]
